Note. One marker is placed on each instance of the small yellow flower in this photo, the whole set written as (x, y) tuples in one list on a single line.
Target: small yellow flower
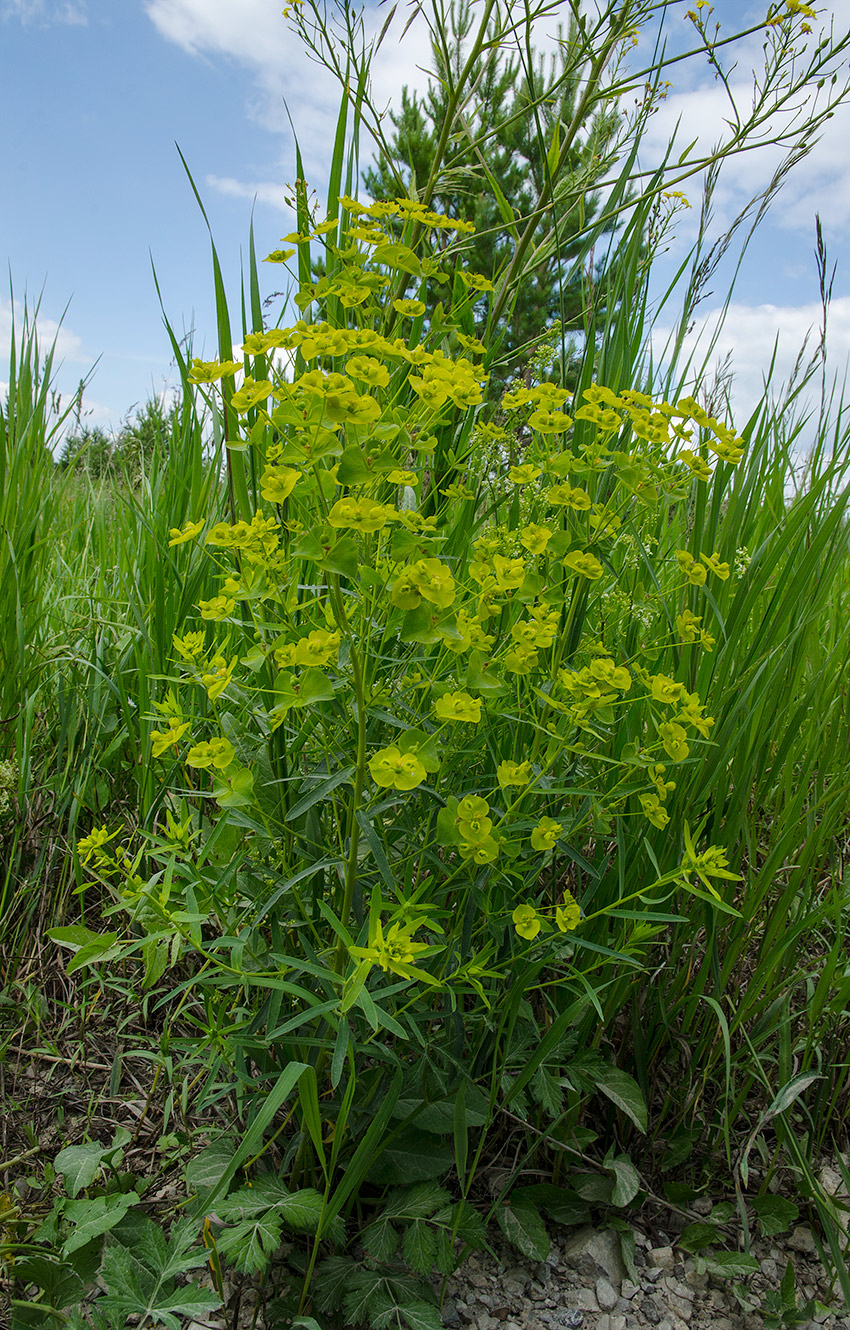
[(713, 562), (161, 740), (521, 659), (189, 646), (587, 565), (694, 571), (666, 690), (513, 773), (218, 753), (510, 573), (92, 845), (217, 608), (188, 532), (390, 767), (568, 915), (565, 495), (359, 514), (409, 309), (535, 538), (369, 370), (278, 482), (549, 422), (654, 811), (218, 677), (433, 581), (526, 922), (208, 371), (523, 475), (458, 706), (673, 738), (545, 834), (250, 394)]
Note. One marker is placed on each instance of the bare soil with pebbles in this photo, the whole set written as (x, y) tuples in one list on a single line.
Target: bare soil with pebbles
[(583, 1285)]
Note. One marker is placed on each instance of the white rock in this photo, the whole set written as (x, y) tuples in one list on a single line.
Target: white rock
[(628, 1289), (595, 1252), (606, 1294)]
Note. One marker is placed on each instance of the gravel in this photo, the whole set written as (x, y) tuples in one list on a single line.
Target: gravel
[(584, 1285)]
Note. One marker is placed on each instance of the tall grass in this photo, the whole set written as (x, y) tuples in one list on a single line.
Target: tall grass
[(743, 1005)]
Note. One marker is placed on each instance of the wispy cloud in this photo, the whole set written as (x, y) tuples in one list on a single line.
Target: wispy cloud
[(264, 191), (44, 13), (255, 34), (68, 346), (754, 336)]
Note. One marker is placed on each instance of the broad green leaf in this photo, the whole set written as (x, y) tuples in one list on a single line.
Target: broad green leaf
[(412, 1157), (302, 1210), (208, 1167), (380, 1240), (421, 1316), (234, 788), (419, 1246), (79, 1166), (626, 1180), (775, 1214), (251, 1244), (729, 1264), (559, 1203), (623, 1091), (74, 936), (314, 687), (523, 1226), (92, 1218), (341, 558), (102, 948), (696, 1237)]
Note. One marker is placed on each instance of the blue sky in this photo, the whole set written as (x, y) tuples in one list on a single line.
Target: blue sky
[(96, 94)]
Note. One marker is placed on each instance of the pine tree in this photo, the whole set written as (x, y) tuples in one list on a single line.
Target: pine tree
[(521, 104)]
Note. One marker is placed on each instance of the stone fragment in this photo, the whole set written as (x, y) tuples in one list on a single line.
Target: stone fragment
[(703, 1205), (628, 1289), (584, 1299), (595, 1252), (484, 1321), (660, 1258), (571, 1318), (606, 1294), (651, 1311), (800, 1239), (451, 1314)]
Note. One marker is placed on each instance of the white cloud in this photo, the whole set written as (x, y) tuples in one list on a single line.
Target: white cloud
[(819, 183), (265, 191), (45, 12), (255, 34), (749, 336), (67, 345)]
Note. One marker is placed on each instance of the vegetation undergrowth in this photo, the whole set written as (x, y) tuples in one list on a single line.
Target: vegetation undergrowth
[(453, 788)]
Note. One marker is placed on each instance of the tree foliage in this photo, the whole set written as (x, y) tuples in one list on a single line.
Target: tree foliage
[(501, 151)]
